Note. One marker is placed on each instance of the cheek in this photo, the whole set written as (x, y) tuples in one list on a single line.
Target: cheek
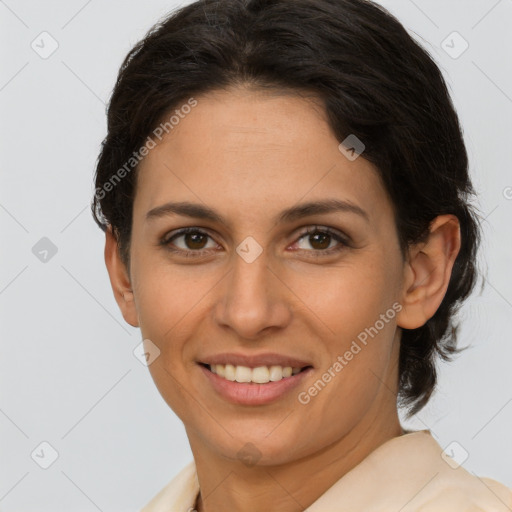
[(166, 295), (348, 298), (169, 307), (171, 304), (352, 378), (353, 307)]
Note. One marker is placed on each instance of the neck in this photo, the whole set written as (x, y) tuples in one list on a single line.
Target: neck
[(228, 484)]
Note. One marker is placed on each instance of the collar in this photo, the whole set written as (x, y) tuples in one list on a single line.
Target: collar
[(409, 473)]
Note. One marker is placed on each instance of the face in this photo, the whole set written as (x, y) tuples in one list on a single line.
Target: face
[(260, 281)]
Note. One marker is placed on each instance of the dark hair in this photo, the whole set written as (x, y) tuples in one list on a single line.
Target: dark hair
[(374, 81)]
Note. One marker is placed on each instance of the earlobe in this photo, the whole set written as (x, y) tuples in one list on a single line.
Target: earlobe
[(127, 295), (427, 272), (120, 279)]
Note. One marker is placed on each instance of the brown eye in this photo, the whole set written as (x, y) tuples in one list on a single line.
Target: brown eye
[(189, 240), (320, 241), (195, 240)]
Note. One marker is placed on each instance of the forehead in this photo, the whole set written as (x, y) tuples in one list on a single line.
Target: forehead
[(250, 153)]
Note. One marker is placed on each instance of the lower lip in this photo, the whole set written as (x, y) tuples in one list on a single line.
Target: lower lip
[(250, 393)]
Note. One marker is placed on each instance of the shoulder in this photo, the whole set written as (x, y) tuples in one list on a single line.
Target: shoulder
[(473, 494), (179, 494), (446, 484), (412, 473)]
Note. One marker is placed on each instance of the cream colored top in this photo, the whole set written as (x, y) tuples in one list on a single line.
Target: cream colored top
[(409, 473)]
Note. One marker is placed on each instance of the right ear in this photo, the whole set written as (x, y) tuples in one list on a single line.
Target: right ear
[(120, 279)]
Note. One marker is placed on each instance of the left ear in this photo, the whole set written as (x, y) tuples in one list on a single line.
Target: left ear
[(427, 272)]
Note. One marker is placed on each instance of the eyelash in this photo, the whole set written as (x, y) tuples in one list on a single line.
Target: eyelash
[(343, 242)]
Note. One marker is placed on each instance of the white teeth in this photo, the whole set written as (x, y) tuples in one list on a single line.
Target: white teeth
[(243, 374), (259, 375), (276, 373), (229, 372)]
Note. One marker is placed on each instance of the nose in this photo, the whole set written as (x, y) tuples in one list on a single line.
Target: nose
[(252, 299)]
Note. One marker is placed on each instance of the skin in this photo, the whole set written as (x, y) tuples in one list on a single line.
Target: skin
[(250, 155)]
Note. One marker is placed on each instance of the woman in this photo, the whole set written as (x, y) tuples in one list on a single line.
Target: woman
[(285, 194)]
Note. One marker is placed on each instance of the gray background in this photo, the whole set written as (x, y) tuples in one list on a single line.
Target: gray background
[(68, 373)]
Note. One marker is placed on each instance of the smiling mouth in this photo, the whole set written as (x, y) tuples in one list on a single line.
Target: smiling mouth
[(257, 375)]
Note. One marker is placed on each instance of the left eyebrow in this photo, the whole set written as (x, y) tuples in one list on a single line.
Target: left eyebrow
[(321, 207), (291, 214)]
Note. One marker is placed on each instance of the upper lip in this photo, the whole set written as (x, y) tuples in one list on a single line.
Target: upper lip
[(253, 361)]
